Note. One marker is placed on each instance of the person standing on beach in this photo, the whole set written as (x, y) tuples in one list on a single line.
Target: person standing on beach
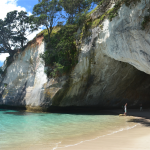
[(125, 109)]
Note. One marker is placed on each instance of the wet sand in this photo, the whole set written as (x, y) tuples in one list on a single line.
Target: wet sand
[(137, 138)]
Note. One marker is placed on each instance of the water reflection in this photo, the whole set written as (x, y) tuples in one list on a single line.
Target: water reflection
[(18, 113)]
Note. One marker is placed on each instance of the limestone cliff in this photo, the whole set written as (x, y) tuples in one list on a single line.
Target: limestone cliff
[(24, 78), (113, 67)]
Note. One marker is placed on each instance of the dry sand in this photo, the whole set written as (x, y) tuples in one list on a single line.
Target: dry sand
[(137, 138)]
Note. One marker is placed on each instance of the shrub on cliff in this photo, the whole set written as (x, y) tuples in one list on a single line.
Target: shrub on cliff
[(1, 71), (61, 53)]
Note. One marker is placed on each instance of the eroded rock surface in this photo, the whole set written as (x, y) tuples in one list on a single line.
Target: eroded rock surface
[(123, 38), (24, 79), (113, 68), (101, 78)]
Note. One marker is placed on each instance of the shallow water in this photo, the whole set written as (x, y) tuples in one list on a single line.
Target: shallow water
[(24, 130)]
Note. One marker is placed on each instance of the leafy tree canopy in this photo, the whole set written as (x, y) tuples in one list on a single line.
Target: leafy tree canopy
[(14, 30), (46, 13), (61, 53), (74, 7)]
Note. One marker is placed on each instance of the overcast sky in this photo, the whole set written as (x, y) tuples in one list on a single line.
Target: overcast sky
[(10, 5)]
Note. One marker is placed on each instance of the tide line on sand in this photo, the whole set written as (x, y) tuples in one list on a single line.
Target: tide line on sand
[(114, 132)]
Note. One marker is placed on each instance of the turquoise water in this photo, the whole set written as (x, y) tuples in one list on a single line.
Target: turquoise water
[(23, 130)]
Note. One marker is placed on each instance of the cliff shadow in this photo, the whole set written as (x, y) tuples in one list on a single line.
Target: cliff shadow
[(142, 121)]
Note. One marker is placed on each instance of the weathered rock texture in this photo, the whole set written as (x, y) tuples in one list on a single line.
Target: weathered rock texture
[(24, 79), (98, 79), (123, 38), (113, 68)]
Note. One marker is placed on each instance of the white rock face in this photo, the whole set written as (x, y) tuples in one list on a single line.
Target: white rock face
[(25, 78), (105, 76), (124, 40), (99, 80)]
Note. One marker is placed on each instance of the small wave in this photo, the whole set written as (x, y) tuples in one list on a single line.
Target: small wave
[(114, 132)]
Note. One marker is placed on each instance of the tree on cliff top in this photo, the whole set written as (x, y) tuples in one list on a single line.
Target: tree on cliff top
[(47, 13), (14, 30), (74, 8)]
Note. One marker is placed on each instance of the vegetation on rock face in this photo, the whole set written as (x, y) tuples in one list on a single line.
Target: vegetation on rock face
[(146, 20), (14, 30), (74, 8), (128, 2), (61, 53), (110, 14), (114, 11), (1, 71)]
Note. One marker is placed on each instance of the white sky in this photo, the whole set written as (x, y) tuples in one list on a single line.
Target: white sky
[(5, 7)]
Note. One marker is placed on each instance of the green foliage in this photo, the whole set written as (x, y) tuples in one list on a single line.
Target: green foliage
[(47, 13), (1, 71), (89, 23), (114, 11), (9, 60), (75, 8), (55, 71), (61, 53), (45, 33), (96, 22), (24, 26), (92, 11), (101, 26), (111, 13), (99, 3), (128, 2), (14, 30), (145, 22), (5, 85), (81, 18)]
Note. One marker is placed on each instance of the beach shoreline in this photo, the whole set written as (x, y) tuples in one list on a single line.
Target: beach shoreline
[(135, 138), (132, 134)]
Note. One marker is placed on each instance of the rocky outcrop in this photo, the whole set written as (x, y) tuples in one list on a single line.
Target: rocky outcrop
[(113, 68), (24, 79), (101, 78), (123, 38)]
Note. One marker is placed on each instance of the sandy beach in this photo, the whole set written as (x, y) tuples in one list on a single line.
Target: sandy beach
[(135, 135), (136, 138)]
